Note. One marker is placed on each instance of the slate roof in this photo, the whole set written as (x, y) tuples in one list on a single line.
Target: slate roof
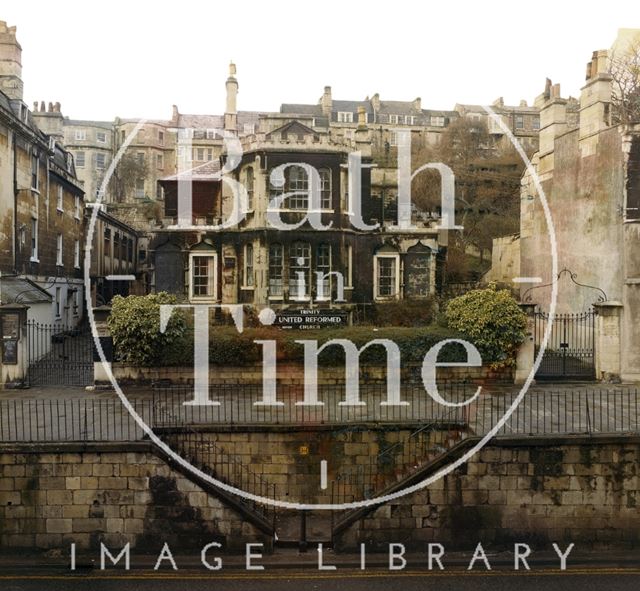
[(20, 290), (398, 108), (293, 128), (203, 172), (300, 109), (89, 123)]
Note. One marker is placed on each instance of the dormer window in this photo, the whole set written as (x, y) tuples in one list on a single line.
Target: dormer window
[(345, 117)]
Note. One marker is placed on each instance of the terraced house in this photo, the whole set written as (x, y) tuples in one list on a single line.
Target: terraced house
[(41, 206)]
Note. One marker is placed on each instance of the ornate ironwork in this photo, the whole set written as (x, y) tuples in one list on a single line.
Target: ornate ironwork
[(526, 296)]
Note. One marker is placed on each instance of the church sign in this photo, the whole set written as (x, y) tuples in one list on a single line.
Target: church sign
[(306, 319)]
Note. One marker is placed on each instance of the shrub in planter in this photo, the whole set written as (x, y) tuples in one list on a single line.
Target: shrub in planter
[(135, 326), (492, 320)]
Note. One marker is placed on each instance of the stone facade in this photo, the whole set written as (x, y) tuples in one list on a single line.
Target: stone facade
[(41, 202), (588, 169), (110, 495)]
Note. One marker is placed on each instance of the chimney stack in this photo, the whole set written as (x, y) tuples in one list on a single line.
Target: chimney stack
[(326, 102), (10, 63), (231, 111), (49, 119)]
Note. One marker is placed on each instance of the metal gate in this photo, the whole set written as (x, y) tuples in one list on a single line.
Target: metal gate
[(59, 355), (570, 351)]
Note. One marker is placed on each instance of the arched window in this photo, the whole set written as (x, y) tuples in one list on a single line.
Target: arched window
[(417, 271)]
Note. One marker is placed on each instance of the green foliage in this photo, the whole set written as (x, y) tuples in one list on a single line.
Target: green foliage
[(492, 320), (405, 313), (135, 326)]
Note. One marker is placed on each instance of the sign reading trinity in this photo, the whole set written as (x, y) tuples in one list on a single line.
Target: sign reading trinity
[(310, 319)]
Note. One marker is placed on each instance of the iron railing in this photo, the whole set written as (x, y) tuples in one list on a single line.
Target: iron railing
[(237, 405), (583, 410)]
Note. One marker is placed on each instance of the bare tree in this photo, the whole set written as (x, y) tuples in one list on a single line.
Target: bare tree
[(487, 192), (625, 84)]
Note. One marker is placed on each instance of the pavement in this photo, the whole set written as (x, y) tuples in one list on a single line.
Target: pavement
[(291, 571)]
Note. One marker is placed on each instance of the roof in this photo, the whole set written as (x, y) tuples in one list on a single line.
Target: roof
[(208, 171), (351, 106), (293, 128), (300, 109), (398, 107), (20, 290), (88, 123), (216, 121)]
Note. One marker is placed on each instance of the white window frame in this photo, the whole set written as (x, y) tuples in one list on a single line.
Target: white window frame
[(376, 286), (326, 193), (34, 240), (213, 275), (76, 254), (436, 121), (60, 198), (81, 134), (35, 172), (59, 246), (139, 192), (57, 303), (101, 156), (160, 161), (270, 266), (345, 117), (519, 122), (80, 162), (248, 270), (349, 278), (75, 303), (326, 272), (295, 268), (76, 207), (103, 135), (161, 137), (250, 181), (393, 119)]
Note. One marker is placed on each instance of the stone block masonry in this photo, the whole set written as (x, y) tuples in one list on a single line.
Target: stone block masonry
[(115, 494), (582, 490), (575, 489)]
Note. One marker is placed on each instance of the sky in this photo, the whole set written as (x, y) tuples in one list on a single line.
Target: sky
[(137, 58)]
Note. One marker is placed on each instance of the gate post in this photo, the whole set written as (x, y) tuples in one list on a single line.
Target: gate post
[(608, 339), (526, 352), (101, 314), (14, 345)]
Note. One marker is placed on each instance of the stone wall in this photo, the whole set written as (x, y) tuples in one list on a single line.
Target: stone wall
[(291, 373), (290, 460), (112, 493), (583, 490)]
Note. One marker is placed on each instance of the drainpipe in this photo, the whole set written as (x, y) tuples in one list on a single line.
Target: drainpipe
[(15, 204)]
